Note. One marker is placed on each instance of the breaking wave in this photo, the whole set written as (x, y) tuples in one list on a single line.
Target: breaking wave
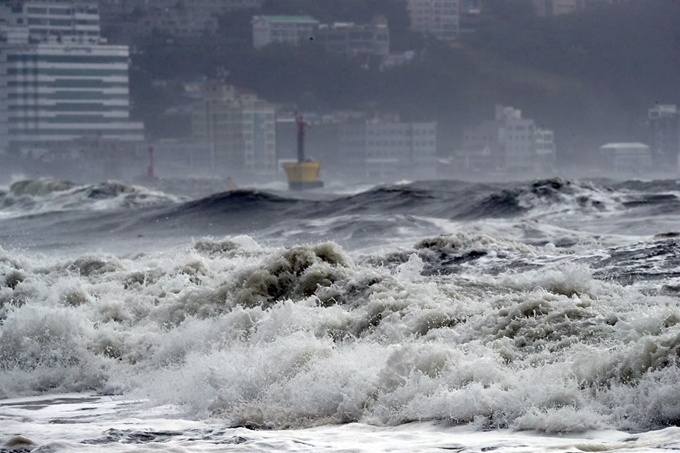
[(29, 197), (548, 305), (310, 334)]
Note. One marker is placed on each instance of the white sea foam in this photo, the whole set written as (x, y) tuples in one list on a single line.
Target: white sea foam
[(306, 336), (431, 340), (29, 197), (90, 423)]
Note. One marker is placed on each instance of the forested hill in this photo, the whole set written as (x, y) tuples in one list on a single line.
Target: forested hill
[(590, 76)]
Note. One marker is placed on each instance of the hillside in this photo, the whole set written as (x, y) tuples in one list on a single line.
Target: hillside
[(590, 76)]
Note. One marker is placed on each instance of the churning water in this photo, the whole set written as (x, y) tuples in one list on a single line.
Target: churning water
[(430, 316)]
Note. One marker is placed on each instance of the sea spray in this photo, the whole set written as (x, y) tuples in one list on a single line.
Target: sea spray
[(542, 306)]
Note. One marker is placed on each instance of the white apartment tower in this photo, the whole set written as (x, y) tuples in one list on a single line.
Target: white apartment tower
[(439, 18), (59, 84), (239, 127)]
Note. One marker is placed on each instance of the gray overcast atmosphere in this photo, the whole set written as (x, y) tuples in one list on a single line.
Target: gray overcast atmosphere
[(388, 89)]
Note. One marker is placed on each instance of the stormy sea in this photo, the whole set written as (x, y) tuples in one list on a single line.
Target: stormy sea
[(438, 316)]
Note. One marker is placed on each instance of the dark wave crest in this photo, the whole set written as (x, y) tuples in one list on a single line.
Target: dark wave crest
[(443, 199), (382, 213)]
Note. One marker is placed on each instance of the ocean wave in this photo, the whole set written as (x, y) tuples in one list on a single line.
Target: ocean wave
[(442, 199), (312, 334), (39, 187), (29, 197)]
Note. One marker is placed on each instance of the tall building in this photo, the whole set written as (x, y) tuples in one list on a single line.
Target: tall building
[(389, 149), (664, 128), (438, 18), (282, 29), (239, 127), (65, 21), (508, 143), (57, 87), (353, 39)]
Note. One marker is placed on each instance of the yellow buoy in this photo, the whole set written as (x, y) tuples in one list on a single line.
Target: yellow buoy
[(303, 174)]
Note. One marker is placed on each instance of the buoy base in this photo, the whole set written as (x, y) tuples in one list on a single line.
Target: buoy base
[(303, 175), (304, 185)]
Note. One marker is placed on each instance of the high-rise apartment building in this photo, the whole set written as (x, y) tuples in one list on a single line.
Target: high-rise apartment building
[(59, 84), (438, 18), (239, 127), (508, 143)]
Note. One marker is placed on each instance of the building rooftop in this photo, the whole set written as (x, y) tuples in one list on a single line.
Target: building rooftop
[(624, 146), (307, 19)]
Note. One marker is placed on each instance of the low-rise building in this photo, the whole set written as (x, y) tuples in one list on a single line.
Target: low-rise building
[(626, 158), (289, 30), (397, 60), (353, 39)]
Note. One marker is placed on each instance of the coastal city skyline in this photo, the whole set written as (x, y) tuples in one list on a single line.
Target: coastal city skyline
[(78, 88)]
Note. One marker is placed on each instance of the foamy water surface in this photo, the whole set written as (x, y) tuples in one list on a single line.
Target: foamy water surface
[(539, 316)]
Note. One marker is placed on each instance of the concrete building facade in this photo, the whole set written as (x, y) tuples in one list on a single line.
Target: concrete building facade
[(438, 18), (240, 128), (353, 39), (54, 93), (61, 21), (626, 158), (389, 149), (58, 82), (289, 30), (508, 143)]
